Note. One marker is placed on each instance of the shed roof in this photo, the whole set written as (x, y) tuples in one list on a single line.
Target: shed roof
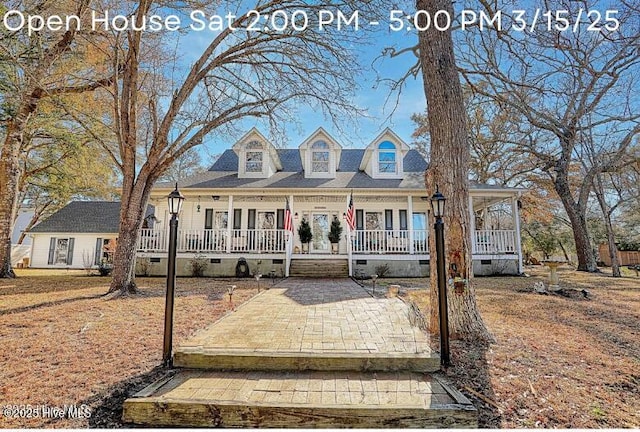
[(84, 217)]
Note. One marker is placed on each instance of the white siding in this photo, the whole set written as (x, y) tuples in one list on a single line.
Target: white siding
[(83, 243)]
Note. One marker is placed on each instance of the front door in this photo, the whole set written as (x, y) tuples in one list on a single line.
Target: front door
[(320, 229)]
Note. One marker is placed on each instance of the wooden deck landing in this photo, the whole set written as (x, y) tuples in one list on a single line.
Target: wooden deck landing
[(301, 399)]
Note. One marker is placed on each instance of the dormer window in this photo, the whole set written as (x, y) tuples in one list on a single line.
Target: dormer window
[(320, 157), (384, 157), (387, 158), (254, 157), (257, 158)]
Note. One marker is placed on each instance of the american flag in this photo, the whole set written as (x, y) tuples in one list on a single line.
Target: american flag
[(288, 222), (351, 214)]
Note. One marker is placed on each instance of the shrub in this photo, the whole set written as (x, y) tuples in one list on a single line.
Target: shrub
[(105, 268), (198, 265), (304, 231), (382, 270), (335, 231), (142, 266)]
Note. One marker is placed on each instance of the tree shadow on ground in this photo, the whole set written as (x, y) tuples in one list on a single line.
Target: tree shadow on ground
[(308, 292), (48, 304), (106, 407)]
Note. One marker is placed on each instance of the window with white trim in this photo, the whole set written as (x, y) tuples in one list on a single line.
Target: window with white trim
[(254, 157), (387, 163), (320, 157)]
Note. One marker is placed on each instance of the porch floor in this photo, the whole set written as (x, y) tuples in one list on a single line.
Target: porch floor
[(306, 353)]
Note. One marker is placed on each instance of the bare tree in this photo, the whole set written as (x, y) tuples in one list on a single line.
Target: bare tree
[(189, 164), (449, 170), (568, 85), (613, 190), (241, 73), (495, 136)]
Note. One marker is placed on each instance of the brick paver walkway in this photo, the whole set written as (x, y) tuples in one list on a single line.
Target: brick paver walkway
[(324, 315), (306, 353)]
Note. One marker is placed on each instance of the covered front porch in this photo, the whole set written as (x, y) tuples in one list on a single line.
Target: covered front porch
[(388, 227), (274, 241)]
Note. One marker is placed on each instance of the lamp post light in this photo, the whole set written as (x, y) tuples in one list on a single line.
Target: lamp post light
[(437, 206), (374, 277), (175, 200)]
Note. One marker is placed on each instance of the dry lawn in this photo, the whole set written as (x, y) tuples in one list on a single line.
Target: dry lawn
[(64, 344), (558, 362)]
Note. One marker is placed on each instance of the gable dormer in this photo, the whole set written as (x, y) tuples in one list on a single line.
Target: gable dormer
[(320, 155), (257, 157), (383, 158)]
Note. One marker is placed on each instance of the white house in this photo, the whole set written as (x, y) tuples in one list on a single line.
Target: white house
[(235, 212), (233, 218), (80, 235)]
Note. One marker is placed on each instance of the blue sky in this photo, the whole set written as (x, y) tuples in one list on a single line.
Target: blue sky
[(368, 96)]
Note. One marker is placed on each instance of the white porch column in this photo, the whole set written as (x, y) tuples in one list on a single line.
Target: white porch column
[(410, 224), (516, 220), (230, 223), (472, 226)]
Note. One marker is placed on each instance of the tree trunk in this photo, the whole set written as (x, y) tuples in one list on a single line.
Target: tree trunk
[(449, 171), (578, 216), (611, 237), (132, 212), (9, 180)]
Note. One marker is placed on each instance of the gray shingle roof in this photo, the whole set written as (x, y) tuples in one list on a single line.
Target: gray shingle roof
[(223, 174), (296, 180), (349, 161), (84, 217)]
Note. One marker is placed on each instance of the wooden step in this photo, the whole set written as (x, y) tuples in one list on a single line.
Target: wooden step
[(204, 358), (318, 268), (300, 400)]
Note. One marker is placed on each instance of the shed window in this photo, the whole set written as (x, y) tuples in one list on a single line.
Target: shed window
[(60, 251)]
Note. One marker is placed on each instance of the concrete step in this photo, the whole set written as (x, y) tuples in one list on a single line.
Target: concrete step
[(317, 360), (300, 400)]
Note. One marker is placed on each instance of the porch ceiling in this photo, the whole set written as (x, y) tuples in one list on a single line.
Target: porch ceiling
[(480, 202)]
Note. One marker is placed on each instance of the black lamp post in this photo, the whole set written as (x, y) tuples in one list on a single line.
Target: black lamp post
[(437, 206), (175, 200)]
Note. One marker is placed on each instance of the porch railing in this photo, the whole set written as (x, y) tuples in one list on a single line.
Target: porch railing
[(216, 241), (152, 240), (491, 242), (259, 241), (486, 242), (389, 241)]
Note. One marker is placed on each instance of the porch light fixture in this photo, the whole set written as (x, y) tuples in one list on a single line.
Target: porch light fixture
[(295, 216), (437, 206), (215, 197), (175, 200)]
